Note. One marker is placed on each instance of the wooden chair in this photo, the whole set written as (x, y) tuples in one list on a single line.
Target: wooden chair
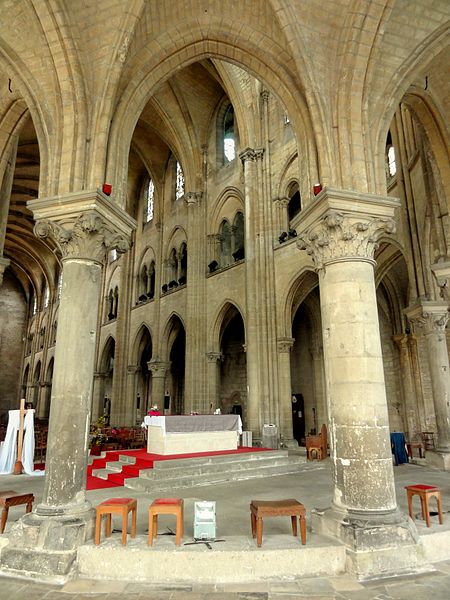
[(40, 447), (317, 444)]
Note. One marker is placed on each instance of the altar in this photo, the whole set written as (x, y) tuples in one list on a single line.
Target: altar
[(182, 434)]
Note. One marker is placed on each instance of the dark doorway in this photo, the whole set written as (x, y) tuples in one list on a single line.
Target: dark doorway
[(298, 418)]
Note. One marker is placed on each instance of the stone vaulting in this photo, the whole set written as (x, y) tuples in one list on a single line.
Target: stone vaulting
[(211, 204)]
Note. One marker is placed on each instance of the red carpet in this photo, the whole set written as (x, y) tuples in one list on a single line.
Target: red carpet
[(144, 460)]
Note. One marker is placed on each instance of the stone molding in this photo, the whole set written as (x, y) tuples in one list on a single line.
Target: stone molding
[(83, 225), (342, 225), (428, 317)]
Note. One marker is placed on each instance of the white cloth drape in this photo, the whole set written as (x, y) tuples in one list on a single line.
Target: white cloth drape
[(8, 451)]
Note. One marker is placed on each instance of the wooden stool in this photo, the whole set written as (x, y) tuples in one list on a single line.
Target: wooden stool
[(121, 506), (425, 492), (277, 508), (11, 498), (165, 506)]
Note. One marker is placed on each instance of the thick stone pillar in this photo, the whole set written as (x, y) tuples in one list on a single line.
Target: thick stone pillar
[(159, 369), (285, 392), (340, 232), (83, 227), (431, 318)]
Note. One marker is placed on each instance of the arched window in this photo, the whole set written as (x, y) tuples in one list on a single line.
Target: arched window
[(183, 264), (229, 142), (110, 305), (151, 280), (295, 203), (179, 182), (238, 237), (173, 268), (149, 205), (225, 243), (391, 165)]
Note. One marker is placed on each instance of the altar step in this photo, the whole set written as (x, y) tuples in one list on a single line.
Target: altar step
[(189, 472)]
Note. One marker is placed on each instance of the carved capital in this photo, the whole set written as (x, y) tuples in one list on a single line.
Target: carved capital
[(158, 367), (339, 236), (265, 95), (249, 154), (441, 272), (133, 369), (401, 341), (285, 344), (192, 198), (83, 224), (214, 357), (88, 237), (428, 318)]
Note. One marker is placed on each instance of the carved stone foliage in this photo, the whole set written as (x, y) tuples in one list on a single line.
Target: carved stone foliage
[(158, 367), (430, 322), (285, 344), (88, 237), (339, 236)]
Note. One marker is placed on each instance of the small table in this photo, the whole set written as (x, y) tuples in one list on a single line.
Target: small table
[(12, 498), (277, 508), (121, 506)]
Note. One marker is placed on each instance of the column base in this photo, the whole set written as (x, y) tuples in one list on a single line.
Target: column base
[(382, 544), (438, 459), (46, 547)]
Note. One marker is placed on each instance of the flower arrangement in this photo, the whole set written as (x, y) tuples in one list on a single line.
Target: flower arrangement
[(96, 435)]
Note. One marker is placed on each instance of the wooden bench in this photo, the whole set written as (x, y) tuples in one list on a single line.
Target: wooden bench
[(277, 508), (120, 506), (12, 498)]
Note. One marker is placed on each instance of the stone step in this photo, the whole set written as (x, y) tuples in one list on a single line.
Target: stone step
[(218, 467), (146, 482)]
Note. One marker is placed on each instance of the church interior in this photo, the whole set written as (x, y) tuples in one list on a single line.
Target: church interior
[(235, 207)]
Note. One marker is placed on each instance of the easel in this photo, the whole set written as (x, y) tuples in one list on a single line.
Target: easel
[(18, 466)]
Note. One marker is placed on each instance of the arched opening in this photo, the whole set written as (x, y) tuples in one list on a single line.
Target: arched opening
[(177, 357), (44, 412), (233, 367), (144, 375)]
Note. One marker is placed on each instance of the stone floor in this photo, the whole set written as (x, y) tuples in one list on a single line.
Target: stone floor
[(313, 488)]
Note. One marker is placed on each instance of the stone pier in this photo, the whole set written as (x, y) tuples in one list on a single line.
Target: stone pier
[(341, 230), (83, 227)]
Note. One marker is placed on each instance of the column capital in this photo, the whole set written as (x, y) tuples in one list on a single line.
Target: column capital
[(441, 272), (4, 262), (192, 198), (265, 95), (158, 367), (285, 344), (250, 154), (401, 341), (343, 225), (132, 369), (214, 357), (283, 201), (83, 225), (429, 317)]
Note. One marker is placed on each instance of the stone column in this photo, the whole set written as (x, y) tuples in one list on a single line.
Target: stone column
[(431, 319), (285, 394), (5, 197), (213, 380), (412, 424), (98, 393), (159, 370), (282, 214), (340, 231), (84, 227), (319, 384), (133, 417)]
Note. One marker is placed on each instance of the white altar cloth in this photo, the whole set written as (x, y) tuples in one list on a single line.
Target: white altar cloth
[(181, 434), (8, 451)]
